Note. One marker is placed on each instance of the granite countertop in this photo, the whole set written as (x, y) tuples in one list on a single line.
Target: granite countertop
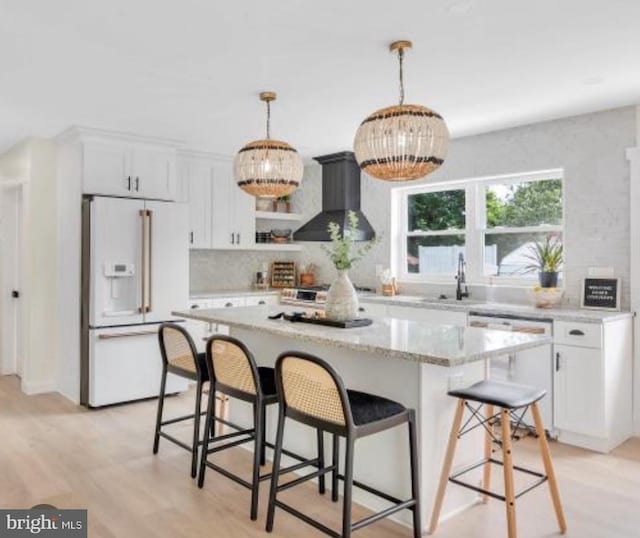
[(244, 292), (393, 338), (500, 309)]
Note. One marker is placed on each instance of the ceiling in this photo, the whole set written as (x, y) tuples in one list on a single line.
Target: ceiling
[(191, 70)]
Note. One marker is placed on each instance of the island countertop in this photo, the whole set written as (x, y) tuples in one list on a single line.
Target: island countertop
[(394, 338)]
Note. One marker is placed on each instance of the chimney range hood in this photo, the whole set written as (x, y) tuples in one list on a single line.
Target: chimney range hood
[(340, 194)]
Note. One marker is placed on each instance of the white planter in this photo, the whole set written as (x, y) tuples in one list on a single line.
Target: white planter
[(342, 299)]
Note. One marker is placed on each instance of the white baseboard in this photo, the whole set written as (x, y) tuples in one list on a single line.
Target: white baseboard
[(38, 387)]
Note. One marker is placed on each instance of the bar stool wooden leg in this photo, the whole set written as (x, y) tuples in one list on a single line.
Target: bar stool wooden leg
[(548, 468), (348, 488), (321, 478), (163, 384), (446, 466), (488, 446), (509, 492), (259, 410), (275, 472), (336, 468), (196, 431), (211, 406), (415, 479)]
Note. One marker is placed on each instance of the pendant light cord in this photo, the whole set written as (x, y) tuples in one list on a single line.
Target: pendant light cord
[(268, 120), (401, 61)]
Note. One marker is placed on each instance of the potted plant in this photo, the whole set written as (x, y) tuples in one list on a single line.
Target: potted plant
[(283, 204), (546, 258), (342, 299)]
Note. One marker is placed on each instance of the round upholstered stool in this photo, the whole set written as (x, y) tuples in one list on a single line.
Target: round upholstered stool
[(179, 357), (513, 400), (312, 393)]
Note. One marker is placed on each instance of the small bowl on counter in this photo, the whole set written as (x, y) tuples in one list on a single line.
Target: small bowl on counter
[(546, 297)]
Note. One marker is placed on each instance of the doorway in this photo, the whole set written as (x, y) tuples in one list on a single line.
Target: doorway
[(11, 291)]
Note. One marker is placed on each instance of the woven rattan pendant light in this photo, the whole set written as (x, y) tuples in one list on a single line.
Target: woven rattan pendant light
[(401, 142), (268, 168)]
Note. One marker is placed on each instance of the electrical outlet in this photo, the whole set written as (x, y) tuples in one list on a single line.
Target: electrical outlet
[(456, 381)]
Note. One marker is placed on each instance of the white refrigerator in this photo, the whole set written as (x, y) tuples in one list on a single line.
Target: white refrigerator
[(135, 271)]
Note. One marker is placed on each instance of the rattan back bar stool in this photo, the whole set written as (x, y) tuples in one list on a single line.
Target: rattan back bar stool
[(179, 357), (312, 393), (513, 401), (235, 374)]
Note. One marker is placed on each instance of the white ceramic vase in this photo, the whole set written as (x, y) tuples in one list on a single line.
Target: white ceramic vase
[(342, 299)]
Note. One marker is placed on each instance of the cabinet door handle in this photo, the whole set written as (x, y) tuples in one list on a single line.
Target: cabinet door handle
[(233, 238), (228, 305), (129, 183), (261, 302), (238, 238), (137, 183), (576, 332), (191, 237), (558, 361)]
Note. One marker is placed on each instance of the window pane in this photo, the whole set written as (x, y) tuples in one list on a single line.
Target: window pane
[(436, 254), (529, 203), (434, 211), (507, 254)]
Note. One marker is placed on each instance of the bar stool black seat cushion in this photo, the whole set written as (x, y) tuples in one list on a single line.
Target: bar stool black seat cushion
[(505, 395), (267, 380), (367, 408)]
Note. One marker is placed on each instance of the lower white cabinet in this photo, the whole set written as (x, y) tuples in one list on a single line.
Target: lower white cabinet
[(593, 383)]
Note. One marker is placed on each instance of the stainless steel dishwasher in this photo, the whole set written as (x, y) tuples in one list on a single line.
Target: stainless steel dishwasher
[(529, 367)]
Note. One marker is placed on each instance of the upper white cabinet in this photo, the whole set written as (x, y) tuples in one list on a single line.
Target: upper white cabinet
[(135, 169), (196, 182), (233, 218)]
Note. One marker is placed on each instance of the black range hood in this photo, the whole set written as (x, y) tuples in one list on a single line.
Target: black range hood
[(340, 195)]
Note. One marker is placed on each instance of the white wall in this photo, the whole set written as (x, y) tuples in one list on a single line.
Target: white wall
[(35, 160), (591, 150)]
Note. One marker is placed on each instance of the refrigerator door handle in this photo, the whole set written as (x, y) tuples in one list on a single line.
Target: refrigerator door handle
[(144, 262), (125, 335), (149, 267)]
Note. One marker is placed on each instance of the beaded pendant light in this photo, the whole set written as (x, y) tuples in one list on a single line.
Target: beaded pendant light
[(268, 168), (401, 142)]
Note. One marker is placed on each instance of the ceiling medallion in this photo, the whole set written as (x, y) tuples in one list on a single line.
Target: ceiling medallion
[(268, 168), (401, 142)]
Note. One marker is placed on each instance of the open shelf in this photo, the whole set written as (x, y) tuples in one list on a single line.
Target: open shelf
[(275, 215), (291, 247)]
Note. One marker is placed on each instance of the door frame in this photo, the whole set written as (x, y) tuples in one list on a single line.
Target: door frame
[(19, 364)]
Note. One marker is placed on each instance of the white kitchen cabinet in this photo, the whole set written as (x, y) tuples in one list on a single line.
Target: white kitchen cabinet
[(105, 168), (114, 167), (593, 383), (436, 316), (256, 300), (233, 211), (196, 183)]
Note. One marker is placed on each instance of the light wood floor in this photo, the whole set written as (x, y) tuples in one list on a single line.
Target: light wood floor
[(52, 451)]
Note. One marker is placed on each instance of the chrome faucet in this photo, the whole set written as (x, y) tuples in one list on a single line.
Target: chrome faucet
[(461, 279)]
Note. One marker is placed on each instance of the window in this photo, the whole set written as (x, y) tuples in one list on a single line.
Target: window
[(492, 222)]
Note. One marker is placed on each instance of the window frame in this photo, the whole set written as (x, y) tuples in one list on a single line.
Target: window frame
[(475, 226)]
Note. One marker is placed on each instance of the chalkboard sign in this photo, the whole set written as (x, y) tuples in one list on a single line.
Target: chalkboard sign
[(601, 293)]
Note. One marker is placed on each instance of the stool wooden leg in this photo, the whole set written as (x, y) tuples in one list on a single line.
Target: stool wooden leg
[(196, 431), (163, 384), (263, 438), (415, 480), (548, 468), (336, 470), (488, 446), (348, 488), (509, 492), (446, 466), (258, 413), (211, 406), (275, 472), (321, 478)]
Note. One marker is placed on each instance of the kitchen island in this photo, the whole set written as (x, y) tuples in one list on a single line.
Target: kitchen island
[(411, 362)]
